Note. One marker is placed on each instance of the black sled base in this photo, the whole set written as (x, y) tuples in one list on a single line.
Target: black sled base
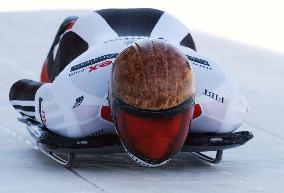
[(197, 143), (63, 150)]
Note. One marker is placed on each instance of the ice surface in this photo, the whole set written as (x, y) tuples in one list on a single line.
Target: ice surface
[(258, 166)]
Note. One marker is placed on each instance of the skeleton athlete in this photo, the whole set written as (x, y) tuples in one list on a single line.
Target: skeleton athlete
[(134, 72)]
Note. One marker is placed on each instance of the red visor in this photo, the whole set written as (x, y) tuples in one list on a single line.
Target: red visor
[(153, 139)]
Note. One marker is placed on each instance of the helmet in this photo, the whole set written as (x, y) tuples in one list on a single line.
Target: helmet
[(151, 95)]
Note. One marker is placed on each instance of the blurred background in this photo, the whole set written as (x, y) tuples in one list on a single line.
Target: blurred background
[(254, 22)]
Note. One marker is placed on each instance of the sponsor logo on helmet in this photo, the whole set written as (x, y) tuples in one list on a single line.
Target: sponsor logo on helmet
[(141, 162), (200, 62)]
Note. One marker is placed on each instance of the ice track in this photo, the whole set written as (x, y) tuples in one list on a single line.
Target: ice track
[(258, 166)]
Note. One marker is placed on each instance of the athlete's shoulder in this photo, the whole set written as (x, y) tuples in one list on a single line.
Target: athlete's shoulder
[(200, 61), (93, 28), (96, 61)]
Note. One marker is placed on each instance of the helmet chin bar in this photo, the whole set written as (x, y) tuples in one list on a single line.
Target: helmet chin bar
[(149, 163)]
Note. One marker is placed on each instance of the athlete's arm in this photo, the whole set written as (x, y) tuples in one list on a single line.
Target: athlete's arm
[(222, 102)]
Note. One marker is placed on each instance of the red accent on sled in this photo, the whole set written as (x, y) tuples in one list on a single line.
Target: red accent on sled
[(197, 111), (106, 113)]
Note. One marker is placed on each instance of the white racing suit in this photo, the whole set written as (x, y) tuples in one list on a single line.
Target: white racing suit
[(74, 103)]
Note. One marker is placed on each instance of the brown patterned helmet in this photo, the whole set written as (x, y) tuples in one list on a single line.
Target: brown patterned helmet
[(151, 95)]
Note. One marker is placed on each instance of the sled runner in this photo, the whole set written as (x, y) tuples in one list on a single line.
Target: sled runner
[(64, 150)]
